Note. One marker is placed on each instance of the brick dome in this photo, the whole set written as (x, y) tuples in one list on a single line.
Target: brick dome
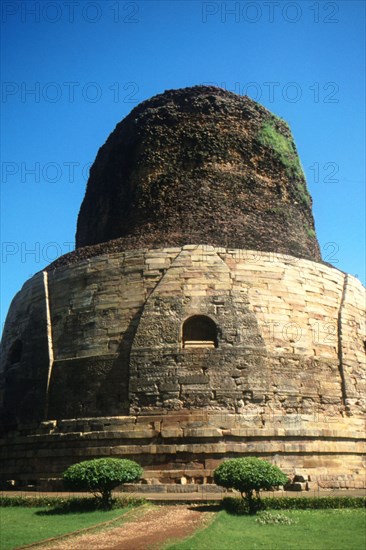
[(199, 165)]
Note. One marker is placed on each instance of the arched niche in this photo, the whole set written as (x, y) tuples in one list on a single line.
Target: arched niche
[(199, 331)]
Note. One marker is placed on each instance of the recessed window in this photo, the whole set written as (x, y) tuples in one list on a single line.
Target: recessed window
[(199, 331)]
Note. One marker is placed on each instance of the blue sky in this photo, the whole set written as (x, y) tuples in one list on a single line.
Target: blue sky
[(71, 71)]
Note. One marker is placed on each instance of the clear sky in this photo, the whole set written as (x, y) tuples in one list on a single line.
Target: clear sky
[(72, 70)]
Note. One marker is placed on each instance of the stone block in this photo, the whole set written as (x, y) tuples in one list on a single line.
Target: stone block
[(202, 432), (193, 379), (196, 388), (169, 386), (300, 477), (167, 432)]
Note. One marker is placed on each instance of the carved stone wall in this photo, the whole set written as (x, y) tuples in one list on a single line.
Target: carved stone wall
[(101, 341), (114, 316)]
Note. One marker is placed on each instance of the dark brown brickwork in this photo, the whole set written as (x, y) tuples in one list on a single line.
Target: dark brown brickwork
[(199, 165)]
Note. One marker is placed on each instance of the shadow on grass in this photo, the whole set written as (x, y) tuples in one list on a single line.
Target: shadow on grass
[(233, 506), (77, 506), (206, 507)]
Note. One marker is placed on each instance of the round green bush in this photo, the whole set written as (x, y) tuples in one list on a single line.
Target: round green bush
[(247, 475), (101, 476)]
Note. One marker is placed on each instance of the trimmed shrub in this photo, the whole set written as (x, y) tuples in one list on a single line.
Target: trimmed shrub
[(69, 504), (101, 475), (249, 475), (316, 503), (28, 502), (238, 506)]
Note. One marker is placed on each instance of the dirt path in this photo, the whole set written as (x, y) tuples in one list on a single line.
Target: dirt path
[(148, 531)]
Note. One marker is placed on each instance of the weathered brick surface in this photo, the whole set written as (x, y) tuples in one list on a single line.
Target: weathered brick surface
[(199, 164)]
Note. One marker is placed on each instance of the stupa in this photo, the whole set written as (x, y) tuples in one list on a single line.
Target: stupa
[(195, 320)]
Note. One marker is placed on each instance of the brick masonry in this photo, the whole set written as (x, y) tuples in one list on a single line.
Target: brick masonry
[(197, 165)]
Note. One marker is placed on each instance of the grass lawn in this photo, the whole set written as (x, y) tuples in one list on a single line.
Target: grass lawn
[(316, 530), (20, 526)]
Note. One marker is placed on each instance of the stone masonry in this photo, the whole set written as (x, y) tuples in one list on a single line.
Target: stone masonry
[(286, 381), (195, 320)]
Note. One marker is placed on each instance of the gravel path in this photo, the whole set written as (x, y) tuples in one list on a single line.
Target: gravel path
[(148, 531)]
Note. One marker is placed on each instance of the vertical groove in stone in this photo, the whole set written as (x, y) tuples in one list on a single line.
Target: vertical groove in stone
[(340, 343), (152, 289), (49, 338)]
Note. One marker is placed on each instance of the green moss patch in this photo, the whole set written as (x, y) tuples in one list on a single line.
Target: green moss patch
[(283, 147)]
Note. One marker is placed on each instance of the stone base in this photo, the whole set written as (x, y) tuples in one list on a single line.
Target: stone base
[(183, 448)]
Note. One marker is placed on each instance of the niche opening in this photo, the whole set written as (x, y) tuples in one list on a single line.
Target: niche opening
[(199, 331)]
